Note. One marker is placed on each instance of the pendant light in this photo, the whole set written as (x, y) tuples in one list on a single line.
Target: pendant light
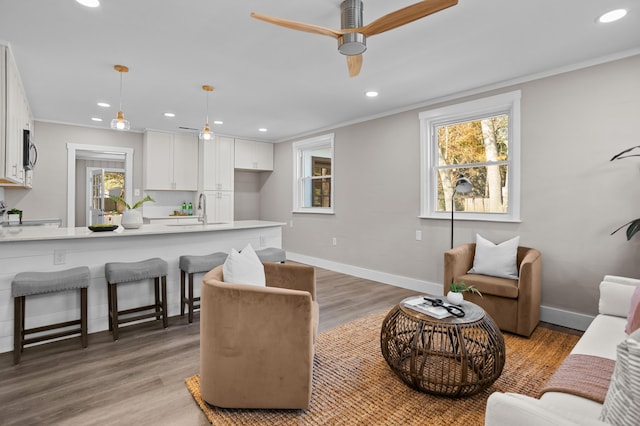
[(206, 133), (119, 123)]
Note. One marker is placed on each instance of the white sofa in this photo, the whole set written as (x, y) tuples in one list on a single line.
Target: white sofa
[(600, 339)]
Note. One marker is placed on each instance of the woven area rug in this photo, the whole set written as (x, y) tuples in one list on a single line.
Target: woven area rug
[(353, 385)]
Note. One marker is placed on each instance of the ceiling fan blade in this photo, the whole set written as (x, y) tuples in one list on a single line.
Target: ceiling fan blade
[(354, 63), (405, 15), (299, 26)]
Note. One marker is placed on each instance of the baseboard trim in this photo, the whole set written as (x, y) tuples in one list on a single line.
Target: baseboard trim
[(574, 320)]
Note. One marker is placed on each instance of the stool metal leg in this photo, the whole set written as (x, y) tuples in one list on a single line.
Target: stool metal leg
[(165, 319), (18, 321), (83, 317), (190, 301), (182, 299)]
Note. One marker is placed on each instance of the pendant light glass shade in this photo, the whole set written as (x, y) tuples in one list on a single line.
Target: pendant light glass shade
[(206, 133), (119, 123)]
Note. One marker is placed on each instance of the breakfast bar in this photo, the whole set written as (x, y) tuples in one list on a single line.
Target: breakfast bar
[(42, 249)]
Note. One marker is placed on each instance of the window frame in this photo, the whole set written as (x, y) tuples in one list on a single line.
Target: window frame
[(506, 103), (298, 150)]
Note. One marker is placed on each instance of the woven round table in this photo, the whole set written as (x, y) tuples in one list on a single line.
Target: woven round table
[(453, 357)]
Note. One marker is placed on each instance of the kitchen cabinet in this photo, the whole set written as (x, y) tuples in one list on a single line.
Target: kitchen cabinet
[(253, 155), (219, 206), (216, 164), (170, 161), (15, 117)]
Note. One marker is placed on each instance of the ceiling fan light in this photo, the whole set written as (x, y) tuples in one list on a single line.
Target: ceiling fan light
[(352, 44), (119, 123)]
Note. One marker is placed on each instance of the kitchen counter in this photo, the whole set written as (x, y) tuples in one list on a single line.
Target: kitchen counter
[(42, 249), (17, 233)]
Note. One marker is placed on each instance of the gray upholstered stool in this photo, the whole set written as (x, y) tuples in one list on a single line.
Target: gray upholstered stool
[(192, 265), (31, 283), (271, 254), (123, 272)]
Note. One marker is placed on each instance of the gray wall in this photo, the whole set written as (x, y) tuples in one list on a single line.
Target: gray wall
[(48, 198), (572, 196)]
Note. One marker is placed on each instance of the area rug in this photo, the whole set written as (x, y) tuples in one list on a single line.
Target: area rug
[(353, 385)]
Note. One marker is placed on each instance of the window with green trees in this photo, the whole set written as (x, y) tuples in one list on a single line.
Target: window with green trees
[(480, 141)]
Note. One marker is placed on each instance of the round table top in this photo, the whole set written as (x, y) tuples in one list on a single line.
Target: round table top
[(472, 311)]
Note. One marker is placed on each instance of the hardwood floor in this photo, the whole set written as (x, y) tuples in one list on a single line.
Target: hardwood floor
[(140, 378)]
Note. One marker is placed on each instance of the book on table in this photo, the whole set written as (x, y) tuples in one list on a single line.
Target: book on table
[(419, 304)]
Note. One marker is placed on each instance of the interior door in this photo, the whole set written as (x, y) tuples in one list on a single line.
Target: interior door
[(95, 195)]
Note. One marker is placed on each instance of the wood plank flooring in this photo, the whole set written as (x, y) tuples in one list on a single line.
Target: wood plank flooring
[(140, 378)]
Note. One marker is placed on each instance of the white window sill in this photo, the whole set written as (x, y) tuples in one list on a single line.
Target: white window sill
[(473, 217), (314, 210)]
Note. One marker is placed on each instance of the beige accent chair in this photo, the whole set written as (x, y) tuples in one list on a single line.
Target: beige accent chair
[(513, 304), (257, 343)]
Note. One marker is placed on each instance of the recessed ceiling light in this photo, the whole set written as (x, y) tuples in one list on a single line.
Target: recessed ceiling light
[(262, 129), (371, 94), (96, 119), (89, 3), (169, 114), (103, 104), (218, 122), (612, 16)]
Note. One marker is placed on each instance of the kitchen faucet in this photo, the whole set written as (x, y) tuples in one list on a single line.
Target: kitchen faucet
[(202, 207)]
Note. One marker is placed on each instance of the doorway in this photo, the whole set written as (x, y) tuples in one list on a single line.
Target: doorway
[(77, 152)]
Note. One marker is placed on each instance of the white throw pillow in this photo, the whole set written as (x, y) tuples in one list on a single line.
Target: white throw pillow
[(622, 403), (244, 267), (497, 260)]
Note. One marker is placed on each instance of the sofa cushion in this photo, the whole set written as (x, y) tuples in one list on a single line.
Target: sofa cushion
[(501, 287), (633, 319), (244, 268), (497, 260), (601, 337), (615, 296), (622, 404)]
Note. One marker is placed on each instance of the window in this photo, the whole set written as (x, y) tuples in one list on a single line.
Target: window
[(479, 140), (313, 170)]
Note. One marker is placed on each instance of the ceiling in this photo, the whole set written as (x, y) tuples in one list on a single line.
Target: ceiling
[(291, 83)]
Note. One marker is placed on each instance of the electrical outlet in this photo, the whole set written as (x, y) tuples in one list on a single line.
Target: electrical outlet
[(136, 192), (334, 241), (291, 223), (263, 241), (418, 235), (59, 257)]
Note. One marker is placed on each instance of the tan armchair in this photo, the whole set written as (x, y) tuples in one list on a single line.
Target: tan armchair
[(513, 304), (257, 343)]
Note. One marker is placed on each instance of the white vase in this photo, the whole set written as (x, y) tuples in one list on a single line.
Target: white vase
[(455, 298), (131, 219)]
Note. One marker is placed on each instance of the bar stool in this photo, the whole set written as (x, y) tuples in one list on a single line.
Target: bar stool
[(123, 272), (192, 265), (271, 254), (31, 283)]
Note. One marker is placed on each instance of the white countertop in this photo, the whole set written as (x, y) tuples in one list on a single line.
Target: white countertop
[(39, 233)]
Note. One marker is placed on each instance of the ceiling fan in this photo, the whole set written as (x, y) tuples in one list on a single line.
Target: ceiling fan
[(352, 37)]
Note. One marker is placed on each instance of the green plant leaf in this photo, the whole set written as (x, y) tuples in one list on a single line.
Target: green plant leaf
[(120, 200), (634, 227)]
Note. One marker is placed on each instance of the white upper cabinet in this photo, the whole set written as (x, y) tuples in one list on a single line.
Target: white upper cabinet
[(15, 117), (253, 155), (216, 164), (170, 161)]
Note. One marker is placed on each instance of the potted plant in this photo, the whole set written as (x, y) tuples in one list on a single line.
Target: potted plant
[(14, 216), (131, 217), (634, 225), (455, 295)]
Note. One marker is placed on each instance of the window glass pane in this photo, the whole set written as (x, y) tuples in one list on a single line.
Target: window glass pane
[(476, 141), (315, 160), (488, 195), (319, 192)]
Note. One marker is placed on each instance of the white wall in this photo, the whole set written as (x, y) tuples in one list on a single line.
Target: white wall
[(572, 196)]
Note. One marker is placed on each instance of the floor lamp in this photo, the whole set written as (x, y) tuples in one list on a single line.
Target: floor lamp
[(463, 185)]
